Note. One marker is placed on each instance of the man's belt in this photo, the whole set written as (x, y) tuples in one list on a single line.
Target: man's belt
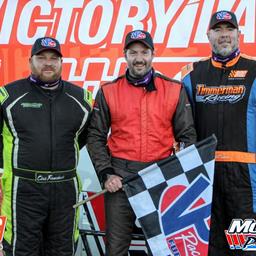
[(235, 156), (45, 177)]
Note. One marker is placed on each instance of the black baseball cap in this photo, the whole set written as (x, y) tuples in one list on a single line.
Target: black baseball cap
[(139, 36), (46, 43), (223, 16)]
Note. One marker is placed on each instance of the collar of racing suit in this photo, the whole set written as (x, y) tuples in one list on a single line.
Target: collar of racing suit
[(42, 84), (225, 62), (146, 81)]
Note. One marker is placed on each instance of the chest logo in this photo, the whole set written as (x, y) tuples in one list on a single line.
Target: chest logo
[(218, 94), (237, 74), (31, 105)]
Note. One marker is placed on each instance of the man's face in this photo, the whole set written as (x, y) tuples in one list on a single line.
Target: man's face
[(47, 66), (139, 59), (224, 39)]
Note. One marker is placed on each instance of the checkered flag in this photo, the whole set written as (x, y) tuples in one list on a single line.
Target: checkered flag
[(172, 200)]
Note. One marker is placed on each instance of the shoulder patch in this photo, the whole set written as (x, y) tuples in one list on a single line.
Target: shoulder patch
[(186, 69), (88, 97), (3, 95)]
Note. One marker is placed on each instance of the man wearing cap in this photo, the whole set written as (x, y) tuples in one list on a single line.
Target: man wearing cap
[(145, 113), (222, 91), (43, 126)]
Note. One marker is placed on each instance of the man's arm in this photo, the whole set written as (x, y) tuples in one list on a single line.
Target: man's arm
[(183, 122), (97, 137)]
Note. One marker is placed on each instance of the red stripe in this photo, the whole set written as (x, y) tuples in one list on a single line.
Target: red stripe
[(242, 239), (235, 239), (229, 238)]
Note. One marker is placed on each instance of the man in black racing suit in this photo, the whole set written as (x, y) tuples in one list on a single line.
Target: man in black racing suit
[(43, 126), (222, 90)]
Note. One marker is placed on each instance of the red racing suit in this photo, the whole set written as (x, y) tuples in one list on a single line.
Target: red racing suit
[(144, 125), (223, 99)]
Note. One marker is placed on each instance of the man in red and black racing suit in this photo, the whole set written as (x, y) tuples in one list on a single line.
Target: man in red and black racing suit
[(146, 112)]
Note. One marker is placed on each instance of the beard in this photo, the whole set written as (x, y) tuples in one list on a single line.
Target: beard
[(224, 51), (49, 79), (44, 77), (139, 72)]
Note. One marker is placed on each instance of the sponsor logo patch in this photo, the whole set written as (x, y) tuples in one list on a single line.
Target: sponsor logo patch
[(223, 16), (3, 95), (48, 42), (31, 105), (237, 74), (41, 178), (217, 94), (138, 35)]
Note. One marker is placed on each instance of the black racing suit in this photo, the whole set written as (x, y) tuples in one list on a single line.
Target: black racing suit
[(223, 99), (42, 132)]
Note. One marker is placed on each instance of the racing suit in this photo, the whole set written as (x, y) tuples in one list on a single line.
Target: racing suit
[(42, 132), (143, 127), (223, 99)]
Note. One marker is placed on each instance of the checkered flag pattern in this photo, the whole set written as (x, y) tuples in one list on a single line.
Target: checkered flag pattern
[(188, 168)]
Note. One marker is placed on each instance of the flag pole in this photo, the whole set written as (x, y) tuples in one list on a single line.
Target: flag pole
[(125, 180), (131, 177), (90, 198)]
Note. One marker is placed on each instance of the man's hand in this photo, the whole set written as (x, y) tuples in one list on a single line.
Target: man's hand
[(113, 183)]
